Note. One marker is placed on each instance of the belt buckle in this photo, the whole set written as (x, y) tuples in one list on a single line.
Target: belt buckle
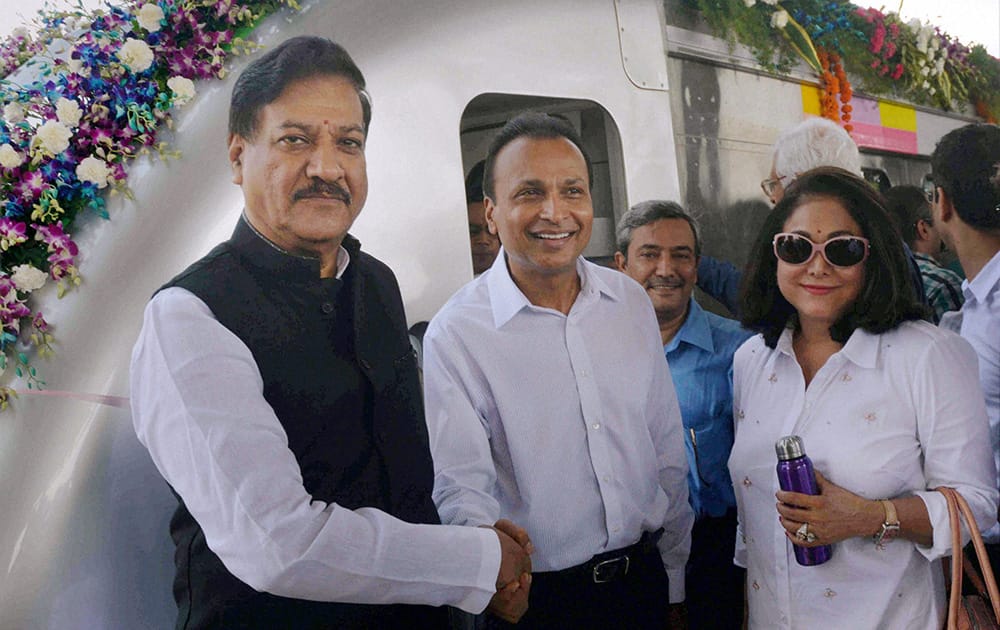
[(608, 570)]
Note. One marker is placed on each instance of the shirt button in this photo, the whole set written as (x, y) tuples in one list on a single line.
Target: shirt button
[(327, 308), (616, 530), (597, 425), (607, 478)]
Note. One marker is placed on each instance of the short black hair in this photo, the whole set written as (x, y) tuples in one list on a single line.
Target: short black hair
[(646, 212), (887, 297), (907, 205), (532, 125), (295, 59), (966, 164), (474, 183)]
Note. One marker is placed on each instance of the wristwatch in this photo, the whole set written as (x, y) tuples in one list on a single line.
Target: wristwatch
[(890, 527)]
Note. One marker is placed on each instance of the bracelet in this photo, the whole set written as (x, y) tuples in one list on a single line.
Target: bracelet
[(890, 527)]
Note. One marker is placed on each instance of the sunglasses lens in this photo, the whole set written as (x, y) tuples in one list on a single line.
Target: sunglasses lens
[(845, 252), (792, 249)]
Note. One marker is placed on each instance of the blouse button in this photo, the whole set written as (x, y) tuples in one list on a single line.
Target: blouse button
[(773, 378), (327, 308), (747, 482), (830, 593)]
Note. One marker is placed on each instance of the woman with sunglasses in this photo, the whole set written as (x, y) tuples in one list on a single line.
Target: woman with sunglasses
[(887, 406)]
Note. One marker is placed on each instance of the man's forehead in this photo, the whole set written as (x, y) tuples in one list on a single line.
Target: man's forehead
[(330, 98), (524, 156)]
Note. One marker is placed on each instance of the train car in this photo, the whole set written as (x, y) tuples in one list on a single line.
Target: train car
[(666, 110)]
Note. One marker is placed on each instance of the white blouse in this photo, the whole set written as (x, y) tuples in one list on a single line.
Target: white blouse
[(887, 416)]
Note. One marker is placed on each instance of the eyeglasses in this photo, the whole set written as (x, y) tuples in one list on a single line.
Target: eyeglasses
[(839, 251), (929, 187), (769, 185)]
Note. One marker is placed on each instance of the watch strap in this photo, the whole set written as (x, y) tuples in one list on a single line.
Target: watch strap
[(890, 526)]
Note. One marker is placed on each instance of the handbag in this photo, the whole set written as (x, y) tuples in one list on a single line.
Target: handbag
[(980, 610)]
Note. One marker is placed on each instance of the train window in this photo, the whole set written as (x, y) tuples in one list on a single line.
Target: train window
[(487, 113)]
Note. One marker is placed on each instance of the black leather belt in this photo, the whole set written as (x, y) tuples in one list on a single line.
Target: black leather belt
[(612, 566)]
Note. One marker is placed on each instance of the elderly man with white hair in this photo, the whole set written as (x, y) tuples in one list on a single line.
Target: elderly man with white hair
[(812, 143)]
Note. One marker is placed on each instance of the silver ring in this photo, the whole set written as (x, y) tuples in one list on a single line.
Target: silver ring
[(803, 533)]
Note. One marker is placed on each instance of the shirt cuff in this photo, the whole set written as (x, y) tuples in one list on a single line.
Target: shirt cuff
[(489, 568), (937, 514), (676, 587)]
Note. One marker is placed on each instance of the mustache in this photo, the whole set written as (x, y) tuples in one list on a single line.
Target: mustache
[(323, 190), (658, 282)]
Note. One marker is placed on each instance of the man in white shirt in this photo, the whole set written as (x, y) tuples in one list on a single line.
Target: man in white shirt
[(964, 188), (275, 388), (549, 402)]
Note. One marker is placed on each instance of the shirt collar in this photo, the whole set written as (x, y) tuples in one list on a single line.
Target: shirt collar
[(986, 281), (861, 348), (264, 254), (924, 257), (695, 330), (507, 300)]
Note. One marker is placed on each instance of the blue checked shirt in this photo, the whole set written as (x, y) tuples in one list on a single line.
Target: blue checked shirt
[(942, 286)]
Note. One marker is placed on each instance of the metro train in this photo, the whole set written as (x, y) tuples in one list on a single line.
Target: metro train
[(666, 110)]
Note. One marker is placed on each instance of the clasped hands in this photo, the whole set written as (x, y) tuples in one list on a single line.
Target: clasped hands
[(835, 514), (510, 602)]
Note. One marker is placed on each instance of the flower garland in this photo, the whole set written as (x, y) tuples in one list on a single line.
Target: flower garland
[(88, 95), (834, 83), (884, 56)]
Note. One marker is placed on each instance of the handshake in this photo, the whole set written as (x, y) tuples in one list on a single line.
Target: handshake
[(514, 580)]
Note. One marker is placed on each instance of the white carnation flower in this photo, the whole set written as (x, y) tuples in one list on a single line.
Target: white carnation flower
[(93, 170), (183, 89), (136, 55), (149, 17), (770, 2), (932, 91), (74, 66), (925, 70), (19, 33), (9, 157), (779, 19), (749, 3), (13, 112), (939, 66), (68, 112), (53, 136), (27, 278)]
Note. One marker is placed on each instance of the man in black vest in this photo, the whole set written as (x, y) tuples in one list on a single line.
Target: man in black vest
[(274, 386)]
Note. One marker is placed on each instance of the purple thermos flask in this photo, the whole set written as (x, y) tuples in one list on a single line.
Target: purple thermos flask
[(795, 474)]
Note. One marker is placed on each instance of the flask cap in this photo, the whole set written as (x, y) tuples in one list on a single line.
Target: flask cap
[(789, 447)]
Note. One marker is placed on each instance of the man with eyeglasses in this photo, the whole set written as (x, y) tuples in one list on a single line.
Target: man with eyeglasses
[(812, 143), (964, 187), (910, 209)]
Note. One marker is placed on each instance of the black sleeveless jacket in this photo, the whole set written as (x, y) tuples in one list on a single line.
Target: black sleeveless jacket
[(339, 371)]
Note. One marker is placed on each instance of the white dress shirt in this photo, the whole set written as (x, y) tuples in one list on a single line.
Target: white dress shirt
[(198, 406), (887, 416), (568, 425), (979, 322)]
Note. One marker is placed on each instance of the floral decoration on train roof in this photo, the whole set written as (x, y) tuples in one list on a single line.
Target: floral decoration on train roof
[(883, 55), (82, 97)]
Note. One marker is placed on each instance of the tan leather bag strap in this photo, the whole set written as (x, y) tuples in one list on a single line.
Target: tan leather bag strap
[(956, 559), (957, 504)]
